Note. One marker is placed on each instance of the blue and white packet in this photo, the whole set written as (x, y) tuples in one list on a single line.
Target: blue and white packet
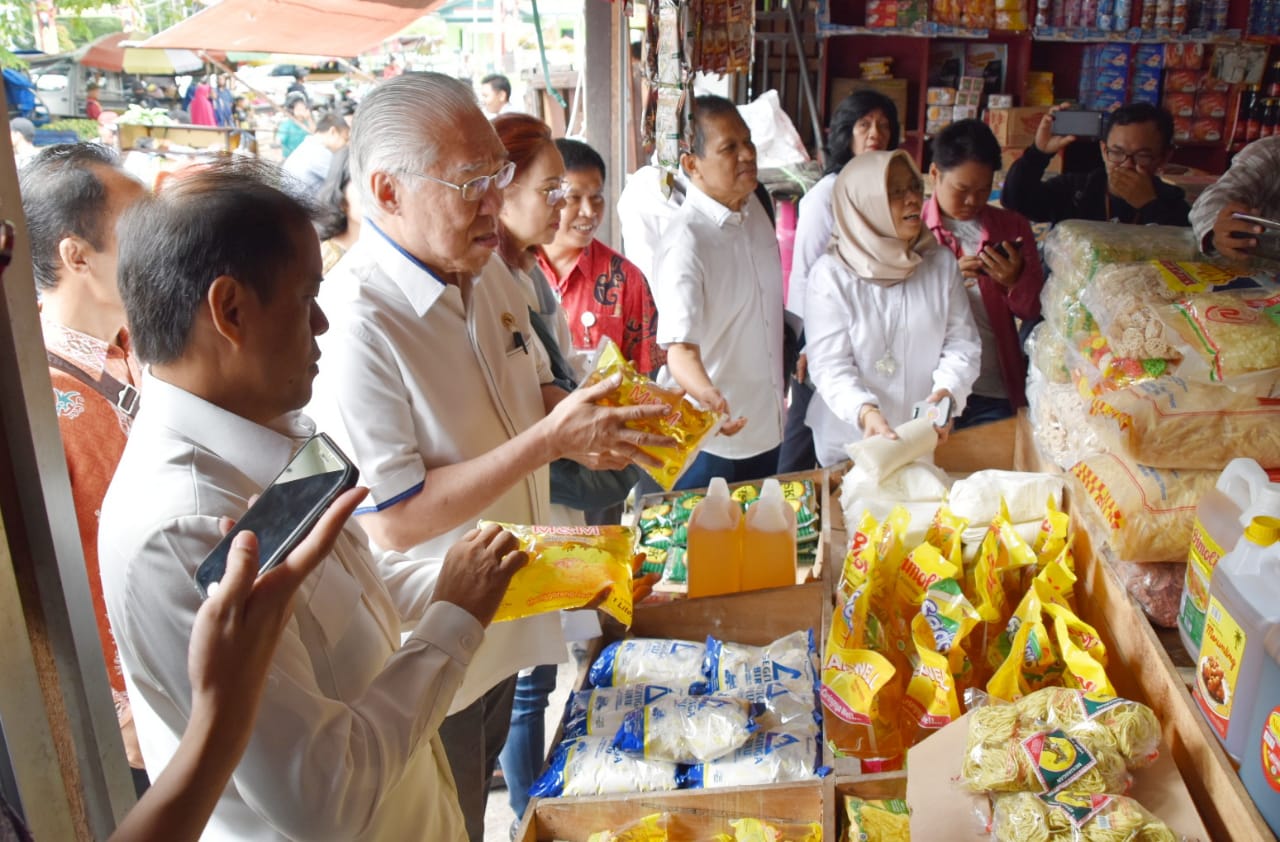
[(645, 660), (599, 711), (757, 673), (768, 757), (687, 729), (782, 709), (592, 766)]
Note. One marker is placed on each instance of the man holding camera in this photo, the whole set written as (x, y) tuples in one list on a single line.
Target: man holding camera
[(1249, 187), (1136, 143)]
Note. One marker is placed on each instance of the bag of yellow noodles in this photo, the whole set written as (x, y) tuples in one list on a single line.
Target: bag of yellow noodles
[(688, 425), (1075, 817), (1098, 720), (877, 820), (568, 567)]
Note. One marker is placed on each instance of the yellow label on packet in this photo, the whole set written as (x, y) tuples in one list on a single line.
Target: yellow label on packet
[(1203, 558), (1218, 670), (1083, 651), (921, 569), (1054, 535), (858, 693), (1183, 278), (568, 567), (931, 700), (687, 425)]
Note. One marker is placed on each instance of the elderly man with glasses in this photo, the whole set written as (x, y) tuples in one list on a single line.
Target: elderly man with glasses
[(1137, 143), (436, 385)]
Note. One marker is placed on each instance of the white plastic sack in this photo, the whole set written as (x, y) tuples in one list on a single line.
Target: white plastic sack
[(777, 142)]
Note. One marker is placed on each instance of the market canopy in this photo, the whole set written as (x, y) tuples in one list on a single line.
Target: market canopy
[(323, 27), (118, 52)]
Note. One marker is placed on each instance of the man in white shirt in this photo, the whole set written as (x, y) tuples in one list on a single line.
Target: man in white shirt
[(495, 96), (308, 165), (435, 383), (719, 296), (219, 276)]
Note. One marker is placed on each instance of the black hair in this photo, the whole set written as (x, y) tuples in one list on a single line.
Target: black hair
[(579, 156), (852, 109), (331, 121), (232, 218), (964, 141), (1143, 112), (498, 82), (331, 199), (703, 107), (63, 196)]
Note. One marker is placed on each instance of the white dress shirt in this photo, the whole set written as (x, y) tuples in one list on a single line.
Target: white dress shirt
[(344, 746), (648, 202), (813, 234), (309, 164), (418, 374), (924, 322), (720, 287)]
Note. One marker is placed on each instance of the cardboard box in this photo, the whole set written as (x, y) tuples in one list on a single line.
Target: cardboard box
[(1016, 126), (894, 89), (1010, 154)]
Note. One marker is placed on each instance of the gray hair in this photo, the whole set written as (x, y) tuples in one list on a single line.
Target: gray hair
[(399, 126)]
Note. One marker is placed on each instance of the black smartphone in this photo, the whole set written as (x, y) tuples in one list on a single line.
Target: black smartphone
[(285, 512), (1268, 241), (1004, 252), (1078, 123)]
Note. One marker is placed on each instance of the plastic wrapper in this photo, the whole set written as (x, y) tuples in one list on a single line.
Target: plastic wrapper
[(1156, 587), (876, 820), (1234, 335), (918, 488), (759, 830), (1075, 817), (651, 828), (1074, 249), (1047, 353), (1173, 423), (686, 729), (1125, 300), (1060, 422), (649, 660), (977, 497), (939, 664), (599, 712), (768, 757), (1141, 513), (592, 766), (790, 661), (568, 567), (1099, 721), (783, 708), (685, 423)]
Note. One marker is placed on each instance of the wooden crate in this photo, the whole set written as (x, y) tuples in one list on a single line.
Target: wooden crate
[(822, 488), (699, 813)]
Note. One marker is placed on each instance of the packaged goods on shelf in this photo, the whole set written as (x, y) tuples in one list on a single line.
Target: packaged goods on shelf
[(884, 819), (1155, 586), (767, 757), (638, 660), (1141, 513), (592, 766), (1074, 817), (661, 827), (1233, 334), (686, 729), (940, 96)]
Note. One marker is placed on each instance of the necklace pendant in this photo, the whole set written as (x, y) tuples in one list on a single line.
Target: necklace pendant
[(887, 365)]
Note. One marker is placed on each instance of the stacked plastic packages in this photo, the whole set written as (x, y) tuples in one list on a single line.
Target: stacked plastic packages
[(1152, 370)]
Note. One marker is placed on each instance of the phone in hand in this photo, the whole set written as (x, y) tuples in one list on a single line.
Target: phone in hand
[(1268, 241), (1083, 124), (938, 413), (285, 512), (1004, 252)]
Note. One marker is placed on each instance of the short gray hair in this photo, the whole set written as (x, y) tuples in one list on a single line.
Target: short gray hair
[(399, 125)]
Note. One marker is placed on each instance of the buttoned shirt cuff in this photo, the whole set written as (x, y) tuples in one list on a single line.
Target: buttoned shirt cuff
[(398, 487), (450, 629)]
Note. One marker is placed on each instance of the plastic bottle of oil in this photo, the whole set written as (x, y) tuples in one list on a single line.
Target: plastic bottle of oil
[(1242, 493), (769, 541), (1244, 605), (715, 543), (1260, 768)]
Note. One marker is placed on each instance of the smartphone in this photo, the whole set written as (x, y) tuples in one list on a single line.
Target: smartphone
[(938, 413), (1004, 252), (1078, 123), (287, 510), (1268, 241)]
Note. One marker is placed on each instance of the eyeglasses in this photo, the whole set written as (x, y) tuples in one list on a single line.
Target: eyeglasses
[(1142, 158), (474, 190), (554, 195), (915, 188)]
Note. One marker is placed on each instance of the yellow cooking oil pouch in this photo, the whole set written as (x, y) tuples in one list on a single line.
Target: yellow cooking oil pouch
[(685, 423), (860, 701), (946, 533), (1028, 659), (759, 830), (568, 567), (1053, 541), (1083, 652)]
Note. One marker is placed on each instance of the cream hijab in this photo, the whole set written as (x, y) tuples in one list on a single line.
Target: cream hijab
[(863, 234)]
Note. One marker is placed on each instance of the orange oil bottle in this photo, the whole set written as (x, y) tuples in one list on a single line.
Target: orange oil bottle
[(715, 543), (769, 541)]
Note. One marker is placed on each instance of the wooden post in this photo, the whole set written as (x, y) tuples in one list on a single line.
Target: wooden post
[(605, 77), (56, 703)]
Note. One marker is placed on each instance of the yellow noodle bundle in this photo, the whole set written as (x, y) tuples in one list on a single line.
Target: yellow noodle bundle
[(877, 820), (1075, 817)]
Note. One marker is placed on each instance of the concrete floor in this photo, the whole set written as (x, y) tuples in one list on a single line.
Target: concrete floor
[(498, 816)]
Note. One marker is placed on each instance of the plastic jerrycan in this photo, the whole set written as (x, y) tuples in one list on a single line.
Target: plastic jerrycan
[(1243, 492), (1260, 769), (769, 541), (1244, 605), (715, 543)]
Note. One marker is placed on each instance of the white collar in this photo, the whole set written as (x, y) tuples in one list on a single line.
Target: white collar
[(256, 451), (419, 285), (718, 213)]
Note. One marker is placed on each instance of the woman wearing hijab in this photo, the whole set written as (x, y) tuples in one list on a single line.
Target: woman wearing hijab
[(886, 314)]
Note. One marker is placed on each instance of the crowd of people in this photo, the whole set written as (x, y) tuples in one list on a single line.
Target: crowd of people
[(424, 284)]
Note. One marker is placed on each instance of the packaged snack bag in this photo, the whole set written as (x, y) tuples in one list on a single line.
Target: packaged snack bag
[(768, 757), (686, 729), (790, 660), (759, 830), (1235, 334), (685, 423), (652, 828), (1099, 720), (877, 820), (648, 660), (599, 712), (568, 567)]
